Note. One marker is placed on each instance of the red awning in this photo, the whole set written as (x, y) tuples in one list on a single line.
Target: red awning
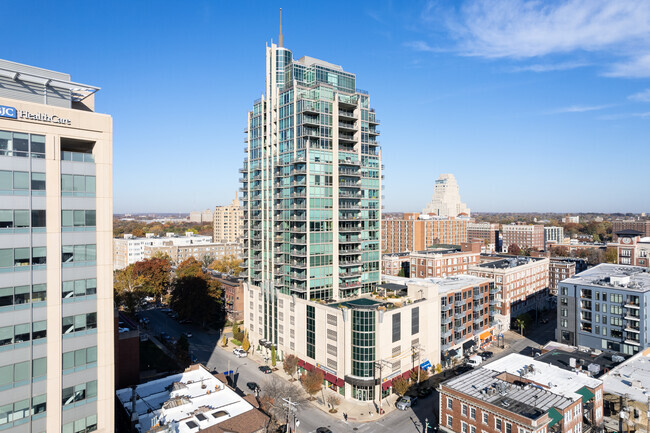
[(330, 378), (386, 384), (406, 374), (301, 363), (308, 366), (321, 372), (340, 382)]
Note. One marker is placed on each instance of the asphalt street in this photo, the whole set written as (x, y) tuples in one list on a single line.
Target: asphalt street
[(205, 347)]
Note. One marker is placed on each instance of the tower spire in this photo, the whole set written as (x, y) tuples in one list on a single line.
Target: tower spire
[(281, 38)]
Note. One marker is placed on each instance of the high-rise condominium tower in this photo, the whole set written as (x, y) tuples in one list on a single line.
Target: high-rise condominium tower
[(56, 273), (446, 198), (311, 182)]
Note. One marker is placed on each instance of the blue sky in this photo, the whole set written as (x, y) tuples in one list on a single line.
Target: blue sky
[(533, 106)]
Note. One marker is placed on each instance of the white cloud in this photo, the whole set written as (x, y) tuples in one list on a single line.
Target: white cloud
[(423, 46), (619, 116), (522, 29), (550, 67), (579, 109), (638, 67), (641, 96)]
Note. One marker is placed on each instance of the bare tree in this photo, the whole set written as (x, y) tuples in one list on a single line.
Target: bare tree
[(273, 391), (333, 400)]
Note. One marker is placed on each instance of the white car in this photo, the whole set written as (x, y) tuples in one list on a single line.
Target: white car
[(240, 353)]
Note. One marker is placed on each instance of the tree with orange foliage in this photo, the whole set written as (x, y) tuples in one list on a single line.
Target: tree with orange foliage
[(312, 381), (195, 294)]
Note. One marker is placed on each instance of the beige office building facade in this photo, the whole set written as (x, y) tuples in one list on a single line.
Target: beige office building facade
[(229, 222), (56, 294)]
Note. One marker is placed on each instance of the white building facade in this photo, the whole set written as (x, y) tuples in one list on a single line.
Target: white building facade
[(446, 199)]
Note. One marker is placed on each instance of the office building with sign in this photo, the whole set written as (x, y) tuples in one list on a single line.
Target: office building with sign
[(56, 294), (311, 194)]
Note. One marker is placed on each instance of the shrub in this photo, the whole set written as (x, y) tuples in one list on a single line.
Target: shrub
[(235, 342)]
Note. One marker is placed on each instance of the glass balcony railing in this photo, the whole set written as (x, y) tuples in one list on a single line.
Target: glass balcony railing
[(77, 156)]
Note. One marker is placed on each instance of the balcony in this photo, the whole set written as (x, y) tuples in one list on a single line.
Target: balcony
[(298, 288), (460, 302), (445, 347), (298, 276), (477, 320), (477, 296), (349, 184), (350, 274), (346, 171), (349, 161), (446, 334), (346, 138), (460, 328), (445, 321), (496, 302), (477, 308), (354, 228), (347, 114), (350, 240), (459, 315), (632, 304), (349, 251), (298, 240), (298, 252), (345, 263), (310, 120), (349, 284), (446, 307)]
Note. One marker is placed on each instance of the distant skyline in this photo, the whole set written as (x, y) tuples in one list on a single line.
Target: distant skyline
[(533, 106)]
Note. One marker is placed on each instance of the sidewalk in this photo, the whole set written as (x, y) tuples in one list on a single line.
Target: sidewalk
[(357, 411)]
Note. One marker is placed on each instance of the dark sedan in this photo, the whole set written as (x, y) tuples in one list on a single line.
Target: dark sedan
[(266, 369)]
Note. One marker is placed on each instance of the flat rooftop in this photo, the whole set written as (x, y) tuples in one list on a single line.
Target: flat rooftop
[(186, 403), (606, 275), (529, 389), (447, 284), (508, 262), (562, 359), (631, 377)]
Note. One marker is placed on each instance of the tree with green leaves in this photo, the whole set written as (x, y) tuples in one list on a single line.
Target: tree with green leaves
[(521, 323), (611, 255), (401, 273)]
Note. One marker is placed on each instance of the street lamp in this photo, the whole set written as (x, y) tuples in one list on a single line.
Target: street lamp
[(426, 425)]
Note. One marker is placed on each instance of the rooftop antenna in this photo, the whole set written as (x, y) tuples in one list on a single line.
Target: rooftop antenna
[(281, 38)]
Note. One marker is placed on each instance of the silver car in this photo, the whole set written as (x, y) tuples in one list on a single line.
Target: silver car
[(406, 402)]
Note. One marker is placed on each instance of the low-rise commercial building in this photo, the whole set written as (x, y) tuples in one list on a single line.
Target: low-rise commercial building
[(488, 232), (192, 401), (396, 263), (417, 232), (625, 387), (347, 340), (604, 307), (524, 236), (519, 394), (522, 281)]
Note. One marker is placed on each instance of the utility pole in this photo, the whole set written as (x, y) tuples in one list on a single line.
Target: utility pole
[(380, 365), (647, 417), (417, 350), (291, 407)]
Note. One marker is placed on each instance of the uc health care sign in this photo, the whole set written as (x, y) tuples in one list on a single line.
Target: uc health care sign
[(13, 113)]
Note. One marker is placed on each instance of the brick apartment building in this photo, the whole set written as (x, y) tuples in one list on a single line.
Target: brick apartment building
[(488, 232), (523, 282), (392, 264), (558, 270), (416, 232), (444, 262), (642, 226), (633, 248), (517, 394), (524, 236), (233, 292)]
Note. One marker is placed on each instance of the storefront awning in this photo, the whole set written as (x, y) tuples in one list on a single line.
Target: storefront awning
[(330, 378), (485, 335), (386, 384), (301, 363), (406, 374), (340, 382), (555, 416), (308, 366), (469, 344), (586, 394)]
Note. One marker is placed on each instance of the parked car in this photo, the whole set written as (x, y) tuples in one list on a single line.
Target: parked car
[(424, 392), (475, 360), (323, 430), (406, 402), (486, 355), (187, 334), (266, 369), (240, 353), (253, 386)]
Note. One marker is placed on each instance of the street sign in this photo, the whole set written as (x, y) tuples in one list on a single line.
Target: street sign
[(425, 365), (228, 373)]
